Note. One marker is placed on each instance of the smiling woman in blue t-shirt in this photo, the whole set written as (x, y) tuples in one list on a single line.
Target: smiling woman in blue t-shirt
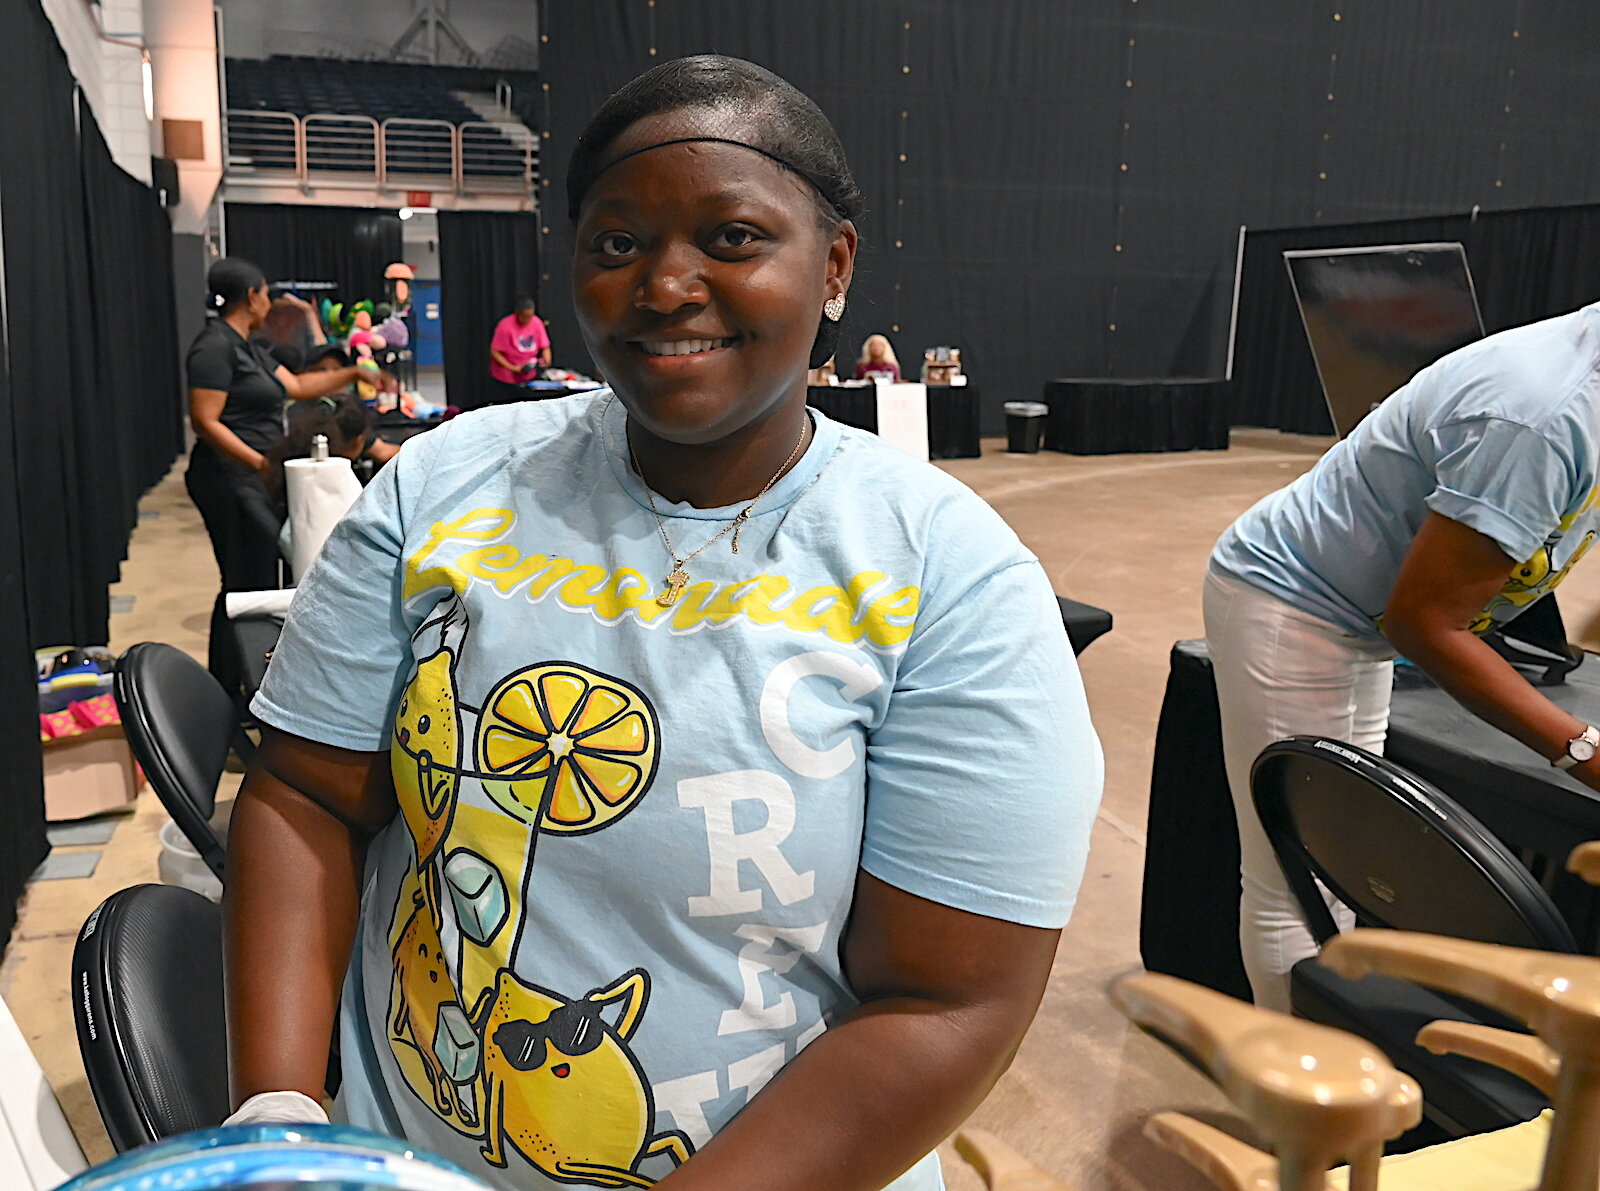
[(1461, 500), (699, 786)]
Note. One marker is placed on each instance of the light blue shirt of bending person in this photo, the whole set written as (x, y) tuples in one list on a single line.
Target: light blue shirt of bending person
[(1500, 436), (611, 907)]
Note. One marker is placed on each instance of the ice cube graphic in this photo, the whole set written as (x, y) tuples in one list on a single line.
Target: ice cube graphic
[(454, 1043), (478, 893)]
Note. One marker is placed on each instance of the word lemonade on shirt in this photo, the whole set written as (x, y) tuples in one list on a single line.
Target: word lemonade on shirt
[(564, 750), (863, 610)]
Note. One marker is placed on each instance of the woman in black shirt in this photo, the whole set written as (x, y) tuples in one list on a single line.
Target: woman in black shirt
[(237, 393)]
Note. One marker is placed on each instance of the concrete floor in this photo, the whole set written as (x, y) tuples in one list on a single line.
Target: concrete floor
[(1129, 533)]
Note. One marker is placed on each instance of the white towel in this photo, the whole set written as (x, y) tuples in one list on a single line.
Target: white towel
[(274, 602)]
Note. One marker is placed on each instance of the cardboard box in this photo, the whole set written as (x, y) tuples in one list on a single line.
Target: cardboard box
[(89, 774)]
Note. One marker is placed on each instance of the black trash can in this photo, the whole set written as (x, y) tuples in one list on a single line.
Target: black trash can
[(1024, 426)]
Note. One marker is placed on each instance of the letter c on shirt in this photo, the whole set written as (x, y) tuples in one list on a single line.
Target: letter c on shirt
[(856, 679)]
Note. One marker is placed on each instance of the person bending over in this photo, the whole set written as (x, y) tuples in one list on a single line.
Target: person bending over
[(519, 347), (1452, 507), (708, 817)]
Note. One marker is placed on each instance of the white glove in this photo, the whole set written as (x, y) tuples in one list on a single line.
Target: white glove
[(279, 1108)]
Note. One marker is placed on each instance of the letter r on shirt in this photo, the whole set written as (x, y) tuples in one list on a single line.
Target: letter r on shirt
[(715, 795)]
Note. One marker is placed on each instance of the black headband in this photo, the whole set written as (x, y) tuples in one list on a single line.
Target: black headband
[(718, 140)]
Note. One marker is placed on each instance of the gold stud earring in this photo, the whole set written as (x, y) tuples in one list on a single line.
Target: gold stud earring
[(834, 308)]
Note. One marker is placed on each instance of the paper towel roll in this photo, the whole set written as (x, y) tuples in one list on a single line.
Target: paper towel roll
[(320, 492)]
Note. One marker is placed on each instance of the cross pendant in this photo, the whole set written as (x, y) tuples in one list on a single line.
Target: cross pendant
[(675, 585)]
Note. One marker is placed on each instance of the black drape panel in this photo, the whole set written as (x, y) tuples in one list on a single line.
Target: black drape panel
[(93, 364), (131, 429), (22, 840), (350, 246), (89, 394), (1526, 265), (1057, 187), (486, 259)]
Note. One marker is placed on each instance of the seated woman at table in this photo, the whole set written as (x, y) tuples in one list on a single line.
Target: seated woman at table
[(877, 360), (519, 347), (1457, 503), (701, 785)]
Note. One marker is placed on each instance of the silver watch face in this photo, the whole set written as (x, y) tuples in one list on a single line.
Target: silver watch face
[(1580, 750)]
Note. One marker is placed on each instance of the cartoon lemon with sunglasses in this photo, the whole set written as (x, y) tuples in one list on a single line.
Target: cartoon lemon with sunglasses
[(561, 1086)]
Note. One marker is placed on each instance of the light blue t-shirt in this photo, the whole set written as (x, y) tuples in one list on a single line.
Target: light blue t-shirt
[(611, 908), (1500, 436)]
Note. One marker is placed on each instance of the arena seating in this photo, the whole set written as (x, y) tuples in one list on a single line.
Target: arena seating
[(382, 91)]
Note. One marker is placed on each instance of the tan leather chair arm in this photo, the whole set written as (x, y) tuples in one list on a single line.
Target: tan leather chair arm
[(1228, 1162), (1523, 1055), (1318, 1096), (1585, 861), (1002, 1168), (1558, 996)]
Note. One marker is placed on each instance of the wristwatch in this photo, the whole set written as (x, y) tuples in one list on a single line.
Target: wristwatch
[(1580, 748)]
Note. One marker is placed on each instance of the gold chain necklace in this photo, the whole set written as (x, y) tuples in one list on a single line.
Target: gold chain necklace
[(679, 578)]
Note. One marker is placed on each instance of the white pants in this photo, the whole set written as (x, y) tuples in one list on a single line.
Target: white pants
[(1283, 672)]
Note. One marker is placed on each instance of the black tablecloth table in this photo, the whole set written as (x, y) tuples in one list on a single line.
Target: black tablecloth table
[(257, 637), (952, 415), (1521, 797), (1110, 417), (1189, 921), (395, 427), (503, 394)]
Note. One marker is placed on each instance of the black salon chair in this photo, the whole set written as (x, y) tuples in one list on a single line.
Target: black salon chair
[(1402, 855), (147, 999), (180, 724), (1084, 622)]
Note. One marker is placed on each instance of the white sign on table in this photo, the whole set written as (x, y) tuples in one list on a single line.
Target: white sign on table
[(903, 416)]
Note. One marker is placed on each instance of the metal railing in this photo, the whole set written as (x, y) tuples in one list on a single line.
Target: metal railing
[(341, 144), (478, 157)]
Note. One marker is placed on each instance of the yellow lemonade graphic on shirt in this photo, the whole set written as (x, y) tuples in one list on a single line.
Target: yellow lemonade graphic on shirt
[(425, 753), (562, 1087), (566, 749)]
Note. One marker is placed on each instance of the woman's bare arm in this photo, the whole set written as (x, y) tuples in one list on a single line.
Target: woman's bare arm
[(296, 847), (1449, 576), (946, 997), (205, 415), (307, 385)]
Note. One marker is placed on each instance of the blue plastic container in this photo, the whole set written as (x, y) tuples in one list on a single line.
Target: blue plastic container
[(277, 1158)]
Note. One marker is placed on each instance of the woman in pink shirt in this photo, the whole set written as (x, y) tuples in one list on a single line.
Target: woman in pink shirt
[(520, 346)]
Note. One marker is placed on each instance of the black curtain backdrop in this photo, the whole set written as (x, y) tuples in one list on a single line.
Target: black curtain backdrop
[(1057, 188), (486, 259), (348, 245), (90, 403), (1526, 265)]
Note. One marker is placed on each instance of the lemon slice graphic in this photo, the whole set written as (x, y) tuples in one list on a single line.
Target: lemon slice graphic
[(566, 749)]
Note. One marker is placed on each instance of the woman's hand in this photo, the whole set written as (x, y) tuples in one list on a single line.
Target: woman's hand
[(946, 997), (1449, 576)]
